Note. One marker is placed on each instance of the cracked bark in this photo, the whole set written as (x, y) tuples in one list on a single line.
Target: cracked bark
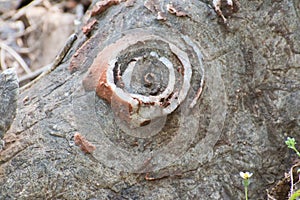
[(257, 55)]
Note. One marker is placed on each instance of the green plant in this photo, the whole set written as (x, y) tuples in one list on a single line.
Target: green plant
[(290, 142), (246, 182), (295, 195)]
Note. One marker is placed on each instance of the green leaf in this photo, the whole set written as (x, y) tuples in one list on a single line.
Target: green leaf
[(295, 195)]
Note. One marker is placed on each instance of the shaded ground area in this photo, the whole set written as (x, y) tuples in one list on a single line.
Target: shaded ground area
[(32, 33)]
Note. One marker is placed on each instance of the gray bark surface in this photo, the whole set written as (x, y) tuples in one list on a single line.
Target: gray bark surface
[(9, 89), (250, 103)]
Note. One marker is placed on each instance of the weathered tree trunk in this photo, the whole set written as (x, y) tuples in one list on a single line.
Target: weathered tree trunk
[(245, 73)]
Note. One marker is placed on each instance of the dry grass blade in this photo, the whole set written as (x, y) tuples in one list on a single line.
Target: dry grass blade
[(16, 56), (2, 60)]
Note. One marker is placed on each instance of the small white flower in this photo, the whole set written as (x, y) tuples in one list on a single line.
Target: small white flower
[(246, 175)]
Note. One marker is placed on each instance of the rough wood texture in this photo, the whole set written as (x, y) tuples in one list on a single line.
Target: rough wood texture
[(249, 104), (9, 90)]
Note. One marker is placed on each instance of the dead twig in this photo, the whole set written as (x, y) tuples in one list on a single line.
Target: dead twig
[(23, 10), (58, 59), (30, 28)]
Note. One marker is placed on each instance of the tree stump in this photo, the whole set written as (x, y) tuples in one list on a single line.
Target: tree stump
[(166, 101)]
